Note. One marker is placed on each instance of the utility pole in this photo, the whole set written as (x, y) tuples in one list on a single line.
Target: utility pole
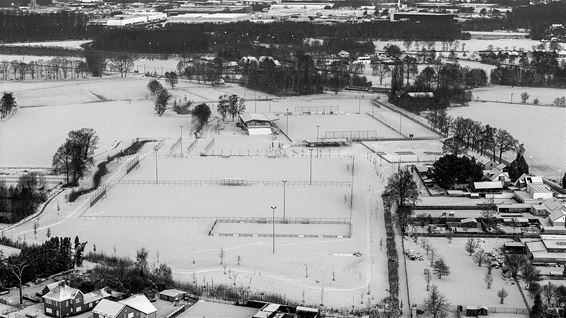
[(317, 127), (181, 139), (284, 198), (156, 171), (273, 222), (287, 117), (310, 169)]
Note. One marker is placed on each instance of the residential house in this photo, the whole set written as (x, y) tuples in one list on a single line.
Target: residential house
[(487, 164), (63, 300), (488, 186), (527, 179), (137, 306), (558, 218), (50, 287), (416, 101)]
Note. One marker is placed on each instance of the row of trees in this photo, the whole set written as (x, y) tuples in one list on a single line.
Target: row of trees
[(75, 156), (34, 261), (22, 26), (468, 134), (21, 200), (56, 68), (543, 69)]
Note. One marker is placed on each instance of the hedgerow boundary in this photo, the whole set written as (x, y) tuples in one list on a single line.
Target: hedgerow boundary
[(392, 255)]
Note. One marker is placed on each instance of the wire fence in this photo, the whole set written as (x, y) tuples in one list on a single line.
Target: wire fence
[(209, 146), (234, 182), (220, 219), (175, 145), (192, 146)]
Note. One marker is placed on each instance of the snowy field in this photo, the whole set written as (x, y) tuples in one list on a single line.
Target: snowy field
[(281, 229), (249, 169), (464, 274), (304, 127), (237, 201), (73, 44), (508, 94), (407, 151), (470, 45), (541, 129)]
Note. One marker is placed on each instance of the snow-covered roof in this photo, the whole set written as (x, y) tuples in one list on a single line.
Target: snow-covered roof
[(172, 292), (247, 117), (62, 292), (108, 308), (55, 284), (556, 215), (96, 295), (537, 188), (468, 220), (488, 185), (552, 204), (421, 94), (140, 303)]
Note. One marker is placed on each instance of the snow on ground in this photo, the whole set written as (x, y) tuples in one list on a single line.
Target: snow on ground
[(285, 229), (470, 45), (250, 169), (237, 201), (303, 127), (32, 136), (508, 94), (465, 275), (408, 151), (73, 44), (34, 58), (540, 128)]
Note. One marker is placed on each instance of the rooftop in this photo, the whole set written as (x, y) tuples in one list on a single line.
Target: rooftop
[(108, 308), (141, 303), (62, 292)]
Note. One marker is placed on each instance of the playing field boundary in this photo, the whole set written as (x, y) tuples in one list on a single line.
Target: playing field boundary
[(234, 182), (282, 221)]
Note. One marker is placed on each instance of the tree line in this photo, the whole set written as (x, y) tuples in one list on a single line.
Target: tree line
[(542, 70), (56, 68), (21, 200), (55, 255), (22, 26), (468, 134)]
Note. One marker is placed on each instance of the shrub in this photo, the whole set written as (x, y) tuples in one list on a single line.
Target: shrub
[(100, 172), (536, 101)]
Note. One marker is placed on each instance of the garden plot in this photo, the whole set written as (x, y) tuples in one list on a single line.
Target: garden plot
[(540, 128), (465, 274), (302, 127), (202, 201), (407, 150), (281, 229), (246, 168)]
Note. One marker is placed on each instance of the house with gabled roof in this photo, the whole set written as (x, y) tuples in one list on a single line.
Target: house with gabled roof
[(558, 218), (137, 306), (64, 300)]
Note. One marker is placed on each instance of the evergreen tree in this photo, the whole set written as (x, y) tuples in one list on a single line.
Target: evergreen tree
[(518, 167), (537, 311), (161, 100), (7, 104), (201, 114), (440, 268)]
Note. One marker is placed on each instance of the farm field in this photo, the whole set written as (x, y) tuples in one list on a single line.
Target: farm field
[(541, 129), (464, 274)]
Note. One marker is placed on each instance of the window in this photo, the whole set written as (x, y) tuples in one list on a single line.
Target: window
[(78, 309), (131, 315), (48, 310)]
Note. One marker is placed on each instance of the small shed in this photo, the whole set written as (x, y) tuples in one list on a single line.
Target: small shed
[(469, 223), (172, 294)]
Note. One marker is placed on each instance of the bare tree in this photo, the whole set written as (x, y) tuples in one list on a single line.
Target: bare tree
[(122, 64), (428, 279), (17, 269), (502, 294), (479, 256), (436, 304), (221, 255), (488, 280)]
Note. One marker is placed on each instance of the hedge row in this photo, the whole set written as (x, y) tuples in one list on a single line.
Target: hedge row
[(392, 255)]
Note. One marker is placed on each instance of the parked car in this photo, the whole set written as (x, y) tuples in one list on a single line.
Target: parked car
[(31, 315)]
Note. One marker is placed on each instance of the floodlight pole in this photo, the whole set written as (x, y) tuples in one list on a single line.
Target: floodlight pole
[(287, 117), (273, 222), (310, 169), (156, 171), (317, 127), (284, 197), (181, 139)]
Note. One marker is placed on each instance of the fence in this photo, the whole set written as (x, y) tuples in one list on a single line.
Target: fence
[(280, 220), (97, 196), (239, 182), (317, 109), (175, 145), (414, 117), (209, 146), (352, 134), (192, 146), (221, 219)]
